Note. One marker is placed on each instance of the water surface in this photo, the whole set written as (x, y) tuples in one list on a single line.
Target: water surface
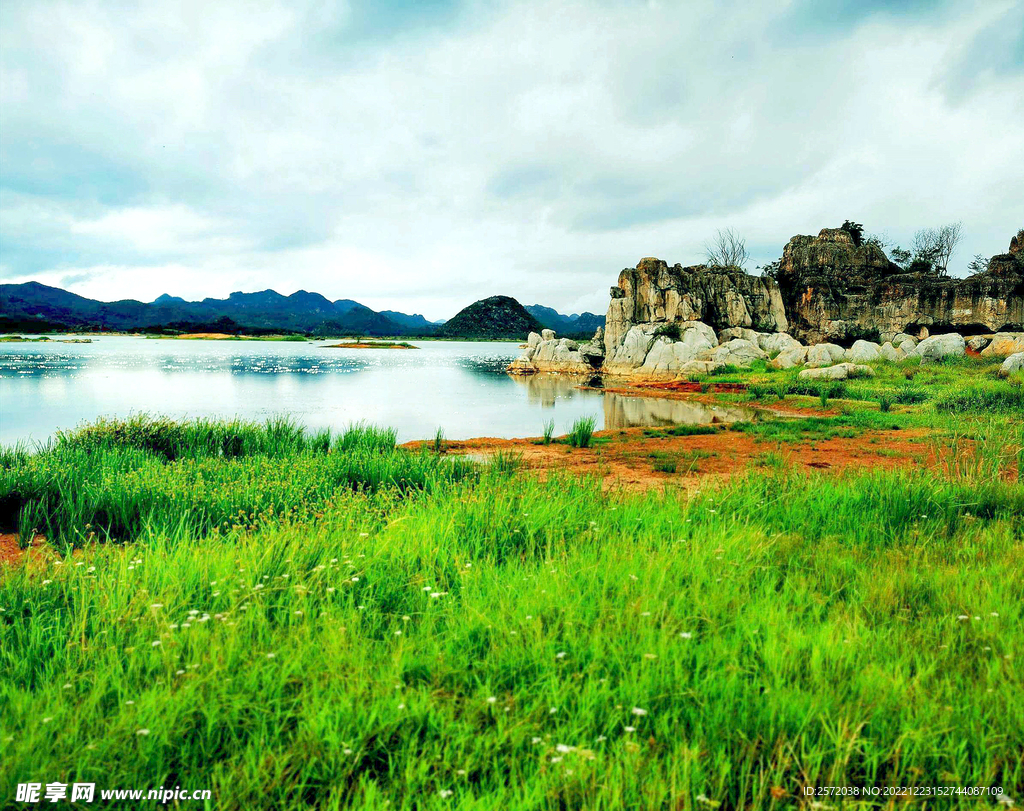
[(460, 387)]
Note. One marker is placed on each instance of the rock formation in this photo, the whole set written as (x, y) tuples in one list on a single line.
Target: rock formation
[(655, 294), (836, 291)]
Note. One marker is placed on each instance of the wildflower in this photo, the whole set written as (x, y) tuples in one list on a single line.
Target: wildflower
[(47, 582), (650, 656), (560, 654), (155, 643), (445, 793), (406, 618), (129, 702), (271, 655), (535, 740), (556, 760), (601, 738), (179, 672), (398, 633), (347, 751), (564, 748), (994, 614), (630, 729), (355, 579), (461, 772), (638, 711), (686, 635), (330, 589), (157, 605), (436, 594), (401, 706), (67, 686), (142, 731), (552, 711), (47, 719)]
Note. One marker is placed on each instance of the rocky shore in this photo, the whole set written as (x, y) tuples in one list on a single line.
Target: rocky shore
[(831, 307)]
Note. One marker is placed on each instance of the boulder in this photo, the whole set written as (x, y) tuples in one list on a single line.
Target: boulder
[(1013, 363), (841, 371), (736, 352), (790, 358), (740, 332), (533, 339), (863, 352), (630, 353), (668, 356), (937, 347), (891, 353), (978, 342), (1004, 344), (824, 355), (902, 338), (547, 335), (776, 342), (907, 347)]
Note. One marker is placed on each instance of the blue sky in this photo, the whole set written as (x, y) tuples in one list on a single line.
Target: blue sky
[(417, 156)]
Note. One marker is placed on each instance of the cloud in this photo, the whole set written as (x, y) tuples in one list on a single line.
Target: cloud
[(417, 156)]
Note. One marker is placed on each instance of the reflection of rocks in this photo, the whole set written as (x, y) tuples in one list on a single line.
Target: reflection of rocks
[(545, 389), (630, 412)]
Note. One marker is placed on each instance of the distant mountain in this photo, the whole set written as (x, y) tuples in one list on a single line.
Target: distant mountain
[(413, 322), (267, 310), (575, 324), (496, 317)]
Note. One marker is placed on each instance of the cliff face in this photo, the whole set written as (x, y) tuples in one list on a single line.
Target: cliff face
[(836, 291), (654, 293)]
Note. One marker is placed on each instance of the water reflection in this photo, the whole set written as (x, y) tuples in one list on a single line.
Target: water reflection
[(632, 412)]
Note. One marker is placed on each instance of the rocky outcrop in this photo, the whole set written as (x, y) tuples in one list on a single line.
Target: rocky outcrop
[(548, 353), (653, 293), (836, 291), (841, 371), (1003, 344)]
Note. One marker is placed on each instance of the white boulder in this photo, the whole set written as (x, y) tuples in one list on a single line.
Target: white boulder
[(1004, 344), (937, 347), (841, 371), (863, 352), (1013, 363), (824, 355), (790, 358)]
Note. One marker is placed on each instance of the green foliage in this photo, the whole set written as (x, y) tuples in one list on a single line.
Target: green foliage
[(855, 230), (582, 432), (439, 441), (885, 401), (669, 330), (549, 431)]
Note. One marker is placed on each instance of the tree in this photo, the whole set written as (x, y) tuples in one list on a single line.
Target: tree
[(727, 250), (900, 257), (934, 247), (978, 264), (855, 230)]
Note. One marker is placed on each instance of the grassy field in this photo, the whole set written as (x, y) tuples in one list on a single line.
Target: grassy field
[(295, 620)]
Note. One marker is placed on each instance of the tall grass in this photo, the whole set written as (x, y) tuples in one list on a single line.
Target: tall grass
[(582, 432), (509, 642)]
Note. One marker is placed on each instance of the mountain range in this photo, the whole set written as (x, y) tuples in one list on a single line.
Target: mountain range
[(32, 306)]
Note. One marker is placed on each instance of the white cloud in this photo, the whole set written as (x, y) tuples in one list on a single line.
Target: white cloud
[(532, 149)]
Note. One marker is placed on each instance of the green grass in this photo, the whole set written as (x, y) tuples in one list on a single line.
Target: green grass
[(582, 433), (382, 627)]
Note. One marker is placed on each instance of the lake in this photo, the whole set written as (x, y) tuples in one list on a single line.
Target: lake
[(460, 387)]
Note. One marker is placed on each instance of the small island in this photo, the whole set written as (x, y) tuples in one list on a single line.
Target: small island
[(359, 344)]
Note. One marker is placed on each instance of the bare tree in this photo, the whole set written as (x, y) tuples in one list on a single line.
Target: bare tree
[(936, 246), (949, 237), (726, 250)]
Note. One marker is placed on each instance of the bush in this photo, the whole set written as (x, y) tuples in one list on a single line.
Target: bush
[(994, 398)]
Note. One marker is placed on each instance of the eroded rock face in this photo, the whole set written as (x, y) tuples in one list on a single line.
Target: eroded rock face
[(938, 347), (836, 291), (654, 293), (551, 354)]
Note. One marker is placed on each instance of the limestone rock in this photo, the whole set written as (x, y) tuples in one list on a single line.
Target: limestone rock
[(1013, 363), (863, 352), (978, 342), (699, 367), (547, 335), (821, 355), (902, 338), (740, 332), (720, 297), (938, 347), (837, 291), (892, 353), (789, 358), (907, 346), (532, 340), (1003, 344), (841, 371), (778, 342), (736, 352)]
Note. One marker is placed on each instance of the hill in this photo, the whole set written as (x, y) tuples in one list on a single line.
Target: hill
[(496, 318), (582, 324)]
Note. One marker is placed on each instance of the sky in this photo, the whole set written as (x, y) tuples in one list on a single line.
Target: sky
[(420, 155)]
